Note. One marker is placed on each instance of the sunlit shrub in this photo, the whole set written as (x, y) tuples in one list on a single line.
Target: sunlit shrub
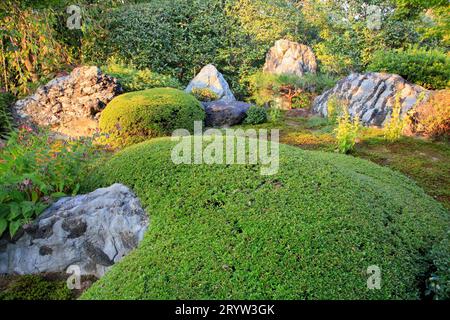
[(347, 132), (204, 94)]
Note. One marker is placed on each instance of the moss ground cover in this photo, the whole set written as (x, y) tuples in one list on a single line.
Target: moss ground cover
[(308, 232)]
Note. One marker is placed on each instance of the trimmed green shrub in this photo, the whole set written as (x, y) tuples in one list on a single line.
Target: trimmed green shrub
[(136, 116), (256, 115), (6, 123), (133, 79), (428, 68), (309, 231)]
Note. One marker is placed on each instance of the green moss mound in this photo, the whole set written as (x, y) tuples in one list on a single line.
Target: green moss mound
[(136, 116), (33, 287), (308, 232)]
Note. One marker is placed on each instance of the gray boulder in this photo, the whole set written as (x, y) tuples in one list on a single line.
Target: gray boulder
[(209, 77), (223, 114), (372, 96), (70, 104), (93, 231), (287, 57)]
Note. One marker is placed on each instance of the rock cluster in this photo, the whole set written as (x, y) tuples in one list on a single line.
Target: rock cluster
[(69, 104), (91, 231), (372, 96), (287, 57)]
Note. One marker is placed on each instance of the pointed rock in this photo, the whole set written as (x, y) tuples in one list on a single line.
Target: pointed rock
[(287, 57), (209, 77)]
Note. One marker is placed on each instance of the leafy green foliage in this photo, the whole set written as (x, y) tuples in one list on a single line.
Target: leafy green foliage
[(226, 232), (136, 116), (266, 87), (439, 282), (34, 170), (34, 287), (132, 79), (428, 68), (180, 37), (275, 115), (342, 40), (6, 123), (256, 115), (204, 94), (29, 50), (347, 132), (395, 125)]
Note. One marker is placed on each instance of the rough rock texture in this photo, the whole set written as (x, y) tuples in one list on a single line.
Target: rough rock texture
[(290, 57), (220, 113), (209, 77), (372, 96), (69, 104), (93, 231)]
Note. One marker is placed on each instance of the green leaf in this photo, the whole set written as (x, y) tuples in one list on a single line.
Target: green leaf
[(13, 227), (3, 225), (58, 195)]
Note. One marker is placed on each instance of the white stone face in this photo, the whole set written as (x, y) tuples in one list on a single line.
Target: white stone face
[(209, 77), (372, 96), (287, 57), (93, 231)]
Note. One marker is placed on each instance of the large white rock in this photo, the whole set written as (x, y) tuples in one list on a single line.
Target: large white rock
[(209, 77), (92, 231), (287, 57), (372, 96)]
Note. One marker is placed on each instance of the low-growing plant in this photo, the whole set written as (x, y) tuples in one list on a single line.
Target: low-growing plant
[(274, 115), (347, 132), (267, 88), (204, 94), (6, 123), (256, 115), (335, 108), (34, 170), (140, 115), (133, 79), (395, 125)]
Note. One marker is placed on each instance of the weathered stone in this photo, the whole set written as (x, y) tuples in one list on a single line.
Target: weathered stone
[(220, 113), (93, 231), (209, 77), (372, 96), (69, 104), (287, 57)]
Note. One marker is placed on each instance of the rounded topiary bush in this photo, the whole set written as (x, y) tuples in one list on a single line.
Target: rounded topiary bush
[(136, 116), (308, 232)]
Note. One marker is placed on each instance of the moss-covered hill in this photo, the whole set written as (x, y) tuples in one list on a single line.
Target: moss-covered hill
[(308, 232)]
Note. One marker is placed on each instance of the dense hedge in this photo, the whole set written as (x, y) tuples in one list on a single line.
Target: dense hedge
[(133, 79), (308, 232), (180, 37), (139, 115), (428, 68)]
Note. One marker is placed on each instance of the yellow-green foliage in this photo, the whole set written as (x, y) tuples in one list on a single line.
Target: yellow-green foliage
[(347, 132), (334, 109), (204, 94), (394, 127), (133, 79), (136, 116)]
